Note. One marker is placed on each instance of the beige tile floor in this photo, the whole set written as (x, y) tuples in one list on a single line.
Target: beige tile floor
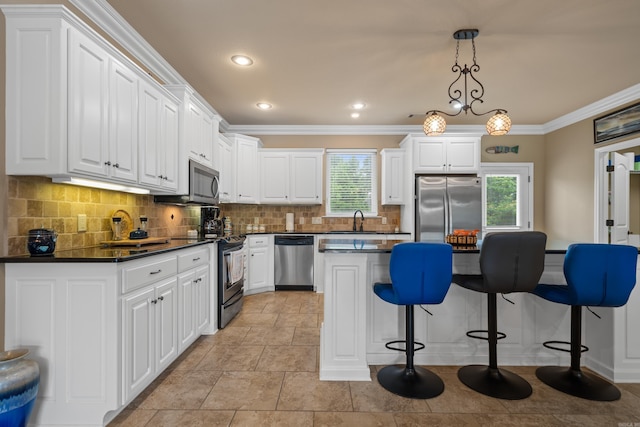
[(262, 370)]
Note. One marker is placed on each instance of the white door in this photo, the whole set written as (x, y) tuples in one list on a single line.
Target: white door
[(619, 205)]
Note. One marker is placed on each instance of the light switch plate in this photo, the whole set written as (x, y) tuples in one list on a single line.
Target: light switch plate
[(82, 222)]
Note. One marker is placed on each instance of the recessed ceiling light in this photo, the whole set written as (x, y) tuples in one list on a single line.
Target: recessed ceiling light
[(355, 115), (264, 105), (358, 105), (241, 60)]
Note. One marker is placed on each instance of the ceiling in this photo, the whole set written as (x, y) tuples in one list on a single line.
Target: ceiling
[(539, 59)]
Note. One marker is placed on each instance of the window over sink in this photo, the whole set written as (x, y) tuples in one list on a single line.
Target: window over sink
[(352, 182)]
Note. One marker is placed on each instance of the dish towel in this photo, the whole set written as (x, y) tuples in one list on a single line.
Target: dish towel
[(236, 266)]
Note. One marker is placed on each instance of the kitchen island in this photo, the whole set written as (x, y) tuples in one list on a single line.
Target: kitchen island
[(103, 323), (357, 323)]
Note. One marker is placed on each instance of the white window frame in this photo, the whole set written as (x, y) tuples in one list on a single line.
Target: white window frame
[(374, 181), (525, 193)]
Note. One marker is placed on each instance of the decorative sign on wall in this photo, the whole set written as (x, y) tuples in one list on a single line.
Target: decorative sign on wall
[(501, 149), (619, 123)]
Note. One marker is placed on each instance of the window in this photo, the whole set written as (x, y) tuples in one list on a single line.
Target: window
[(507, 196), (351, 182)]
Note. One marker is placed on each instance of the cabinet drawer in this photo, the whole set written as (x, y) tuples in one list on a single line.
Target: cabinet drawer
[(142, 274), (258, 241), (192, 259)]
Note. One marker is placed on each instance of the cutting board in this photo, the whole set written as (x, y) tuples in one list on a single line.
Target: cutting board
[(136, 242)]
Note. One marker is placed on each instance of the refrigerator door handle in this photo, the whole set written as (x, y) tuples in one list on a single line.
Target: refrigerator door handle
[(447, 214)]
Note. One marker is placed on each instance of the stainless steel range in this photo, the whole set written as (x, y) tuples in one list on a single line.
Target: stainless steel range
[(230, 278)]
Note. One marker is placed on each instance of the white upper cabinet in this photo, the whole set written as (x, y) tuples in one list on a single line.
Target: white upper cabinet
[(73, 101), (274, 177), (88, 106), (223, 158), (199, 126), (291, 176), (158, 141), (446, 154), (393, 176), (245, 168)]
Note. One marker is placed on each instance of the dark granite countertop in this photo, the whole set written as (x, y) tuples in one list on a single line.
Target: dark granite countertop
[(107, 254), (384, 246)]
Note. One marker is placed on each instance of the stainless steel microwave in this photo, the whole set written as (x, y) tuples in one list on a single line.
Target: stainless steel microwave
[(204, 187)]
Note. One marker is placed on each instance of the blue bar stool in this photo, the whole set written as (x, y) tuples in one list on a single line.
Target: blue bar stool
[(598, 275), (509, 262), (420, 274)]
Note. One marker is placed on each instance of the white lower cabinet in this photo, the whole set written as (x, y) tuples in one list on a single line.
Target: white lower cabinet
[(102, 332), (260, 265), (150, 338)]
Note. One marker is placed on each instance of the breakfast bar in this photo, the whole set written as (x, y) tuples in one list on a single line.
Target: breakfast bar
[(357, 324)]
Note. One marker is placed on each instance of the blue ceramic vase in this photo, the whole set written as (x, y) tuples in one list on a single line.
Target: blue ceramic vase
[(19, 380)]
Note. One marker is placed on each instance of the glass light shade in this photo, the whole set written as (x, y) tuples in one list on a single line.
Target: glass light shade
[(434, 124), (498, 124)]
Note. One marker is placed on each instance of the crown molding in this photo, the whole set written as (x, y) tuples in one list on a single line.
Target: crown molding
[(605, 104), (470, 130), (110, 21)]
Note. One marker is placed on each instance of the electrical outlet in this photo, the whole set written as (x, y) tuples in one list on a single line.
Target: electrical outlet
[(384, 220), (256, 220), (301, 220), (316, 220), (82, 222)]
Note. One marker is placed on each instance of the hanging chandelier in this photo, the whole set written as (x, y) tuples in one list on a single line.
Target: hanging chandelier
[(435, 124)]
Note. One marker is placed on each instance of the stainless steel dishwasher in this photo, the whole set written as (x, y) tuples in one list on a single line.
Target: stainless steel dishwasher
[(294, 263)]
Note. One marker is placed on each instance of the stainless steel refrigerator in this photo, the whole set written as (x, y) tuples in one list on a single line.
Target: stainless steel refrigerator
[(447, 203)]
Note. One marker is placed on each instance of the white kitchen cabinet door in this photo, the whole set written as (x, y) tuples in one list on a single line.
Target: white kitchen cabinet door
[(206, 143), (225, 156), (463, 155), (246, 171), (88, 98), (202, 299), (186, 323), (166, 308), (393, 176), (139, 341), (258, 269), (274, 177), (150, 113), (430, 156), (199, 133), (169, 144), (123, 122), (306, 178)]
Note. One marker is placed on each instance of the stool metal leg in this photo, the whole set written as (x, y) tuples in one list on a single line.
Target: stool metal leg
[(409, 380), (573, 380), (491, 380)]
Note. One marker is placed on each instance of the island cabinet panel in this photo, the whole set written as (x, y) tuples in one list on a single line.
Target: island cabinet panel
[(342, 344), (70, 325), (354, 316)]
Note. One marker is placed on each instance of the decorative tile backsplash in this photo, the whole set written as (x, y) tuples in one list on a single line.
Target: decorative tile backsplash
[(36, 202), (273, 218)]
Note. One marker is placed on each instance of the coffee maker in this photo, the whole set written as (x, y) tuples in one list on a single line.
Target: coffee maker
[(210, 222)]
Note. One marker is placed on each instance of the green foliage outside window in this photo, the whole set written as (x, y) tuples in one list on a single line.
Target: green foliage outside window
[(502, 200), (350, 182)]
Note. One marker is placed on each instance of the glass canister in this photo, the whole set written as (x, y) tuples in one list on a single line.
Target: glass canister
[(143, 222), (117, 228)]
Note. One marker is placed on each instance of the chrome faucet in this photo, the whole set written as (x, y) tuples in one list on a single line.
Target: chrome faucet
[(354, 220)]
